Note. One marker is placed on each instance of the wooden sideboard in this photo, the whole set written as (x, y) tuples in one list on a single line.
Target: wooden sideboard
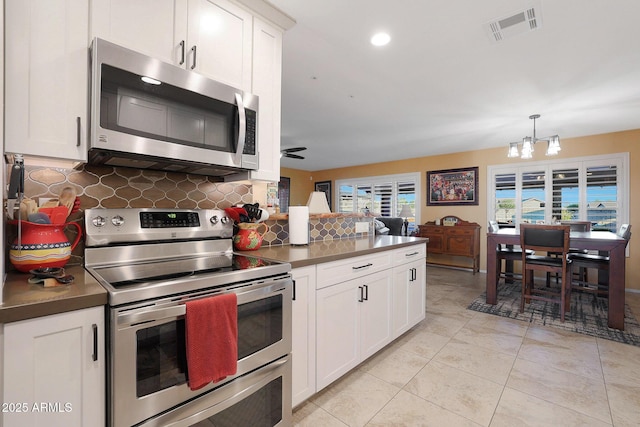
[(454, 237)]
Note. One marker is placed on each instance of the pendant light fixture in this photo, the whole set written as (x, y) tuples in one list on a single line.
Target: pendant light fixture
[(553, 143)]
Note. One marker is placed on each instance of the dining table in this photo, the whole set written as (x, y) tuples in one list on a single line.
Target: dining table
[(605, 242)]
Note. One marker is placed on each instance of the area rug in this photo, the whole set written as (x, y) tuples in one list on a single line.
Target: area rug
[(588, 314)]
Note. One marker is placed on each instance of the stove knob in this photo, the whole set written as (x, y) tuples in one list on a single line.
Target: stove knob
[(214, 220), (117, 220), (224, 219), (99, 221)]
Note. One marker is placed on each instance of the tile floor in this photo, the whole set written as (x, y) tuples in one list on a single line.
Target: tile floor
[(463, 368)]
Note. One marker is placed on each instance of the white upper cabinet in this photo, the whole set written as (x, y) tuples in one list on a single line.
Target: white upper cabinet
[(152, 27), (46, 78), (267, 84), (211, 37), (219, 41)]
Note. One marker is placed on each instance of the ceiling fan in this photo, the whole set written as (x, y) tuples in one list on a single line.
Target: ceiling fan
[(287, 152)]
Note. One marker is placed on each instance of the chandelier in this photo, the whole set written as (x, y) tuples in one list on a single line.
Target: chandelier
[(553, 143)]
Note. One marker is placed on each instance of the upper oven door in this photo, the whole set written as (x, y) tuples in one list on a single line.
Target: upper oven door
[(148, 370), (148, 109)]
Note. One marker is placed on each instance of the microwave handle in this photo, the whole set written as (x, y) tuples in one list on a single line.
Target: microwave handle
[(241, 129)]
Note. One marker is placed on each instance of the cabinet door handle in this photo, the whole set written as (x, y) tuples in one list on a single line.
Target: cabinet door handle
[(361, 299), (414, 274), (193, 49), (94, 356), (79, 130), (293, 298), (366, 292), (182, 52), (362, 266)]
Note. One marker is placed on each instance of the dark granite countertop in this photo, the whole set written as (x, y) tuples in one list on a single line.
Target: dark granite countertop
[(22, 300), (333, 250)]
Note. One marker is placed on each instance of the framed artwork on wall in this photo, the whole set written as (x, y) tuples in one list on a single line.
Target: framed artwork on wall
[(452, 187), (325, 187)]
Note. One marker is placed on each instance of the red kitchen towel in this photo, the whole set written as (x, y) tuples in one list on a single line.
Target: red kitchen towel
[(211, 339)]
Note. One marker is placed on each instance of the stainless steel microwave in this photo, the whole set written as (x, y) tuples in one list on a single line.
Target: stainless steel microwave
[(149, 114)]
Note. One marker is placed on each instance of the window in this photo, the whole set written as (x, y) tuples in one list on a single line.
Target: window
[(582, 189), (380, 195)]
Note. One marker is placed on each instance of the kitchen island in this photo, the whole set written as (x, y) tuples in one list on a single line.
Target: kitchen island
[(352, 297)]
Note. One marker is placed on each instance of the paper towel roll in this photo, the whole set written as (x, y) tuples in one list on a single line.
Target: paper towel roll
[(298, 225)]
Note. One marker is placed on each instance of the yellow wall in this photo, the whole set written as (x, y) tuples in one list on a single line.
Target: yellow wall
[(617, 142), (302, 183)]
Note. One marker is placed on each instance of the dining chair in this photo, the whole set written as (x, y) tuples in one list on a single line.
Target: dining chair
[(508, 253), (598, 262), (575, 226), (545, 238)]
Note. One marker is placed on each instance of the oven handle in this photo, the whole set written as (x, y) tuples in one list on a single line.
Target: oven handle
[(149, 314)]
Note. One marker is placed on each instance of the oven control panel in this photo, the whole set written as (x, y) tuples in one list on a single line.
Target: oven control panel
[(109, 226)]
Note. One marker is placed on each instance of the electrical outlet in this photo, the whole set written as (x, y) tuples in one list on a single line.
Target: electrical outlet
[(362, 227)]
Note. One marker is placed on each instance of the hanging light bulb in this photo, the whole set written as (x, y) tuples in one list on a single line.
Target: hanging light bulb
[(553, 146), (513, 150), (527, 148)]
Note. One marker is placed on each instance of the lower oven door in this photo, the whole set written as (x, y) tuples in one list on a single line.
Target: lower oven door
[(147, 364), (261, 398)]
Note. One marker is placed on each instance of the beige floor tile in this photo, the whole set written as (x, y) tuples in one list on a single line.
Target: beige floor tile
[(585, 395), (460, 384), (311, 415), (489, 338), (355, 399), (620, 362), (489, 364), (501, 324), (465, 394), (579, 359), (422, 342), (444, 324), (520, 409), (406, 409), (561, 338), (624, 401), (394, 365)]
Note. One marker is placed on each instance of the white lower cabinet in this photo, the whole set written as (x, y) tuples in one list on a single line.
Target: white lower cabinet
[(54, 373), (353, 322), (344, 311), (409, 288), (303, 334)]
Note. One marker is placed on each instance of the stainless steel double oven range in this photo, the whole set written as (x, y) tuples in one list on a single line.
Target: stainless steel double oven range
[(152, 261)]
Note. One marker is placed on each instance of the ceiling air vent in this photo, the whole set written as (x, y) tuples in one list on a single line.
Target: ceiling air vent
[(516, 23)]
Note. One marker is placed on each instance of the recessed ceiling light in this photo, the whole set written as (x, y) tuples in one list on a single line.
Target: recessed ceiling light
[(380, 39)]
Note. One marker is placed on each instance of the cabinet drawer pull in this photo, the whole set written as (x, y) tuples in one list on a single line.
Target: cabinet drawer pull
[(182, 52), (412, 253), (362, 266), (193, 49), (79, 130), (94, 356)]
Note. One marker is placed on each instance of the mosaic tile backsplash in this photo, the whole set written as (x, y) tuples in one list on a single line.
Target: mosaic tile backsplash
[(117, 187), (113, 187), (320, 229)]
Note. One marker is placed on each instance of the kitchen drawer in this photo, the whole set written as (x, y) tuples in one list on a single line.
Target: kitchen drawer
[(330, 273), (461, 231), (430, 229), (409, 254)]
